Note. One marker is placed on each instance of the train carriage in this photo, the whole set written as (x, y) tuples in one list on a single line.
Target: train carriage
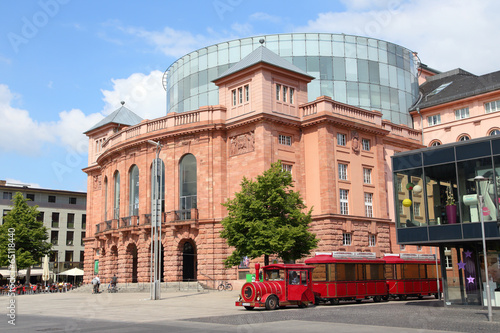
[(348, 276), (412, 275), (281, 285)]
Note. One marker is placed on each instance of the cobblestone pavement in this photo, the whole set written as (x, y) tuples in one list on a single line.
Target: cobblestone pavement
[(215, 312)]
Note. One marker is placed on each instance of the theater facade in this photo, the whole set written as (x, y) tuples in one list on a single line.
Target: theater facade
[(338, 154)]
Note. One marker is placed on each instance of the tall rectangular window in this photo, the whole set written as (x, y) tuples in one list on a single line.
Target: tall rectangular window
[(344, 202), (55, 220), (342, 171), (233, 93), (291, 95), (278, 92), (346, 239), (400, 207), (240, 95), (399, 185), (462, 113), (83, 237), (54, 237), (449, 262), (71, 220), (434, 120), (84, 221), (367, 175), (69, 237), (341, 139), (369, 204), (365, 144), (285, 93), (68, 256), (247, 93), (372, 240), (416, 209), (40, 217)]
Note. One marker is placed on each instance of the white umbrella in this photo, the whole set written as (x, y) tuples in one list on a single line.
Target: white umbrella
[(73, 272), (46, 271)]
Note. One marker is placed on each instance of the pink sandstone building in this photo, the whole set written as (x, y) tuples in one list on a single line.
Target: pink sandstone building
[(338, 154)]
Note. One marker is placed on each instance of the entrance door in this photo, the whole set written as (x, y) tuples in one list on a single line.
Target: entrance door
[(188, 262)]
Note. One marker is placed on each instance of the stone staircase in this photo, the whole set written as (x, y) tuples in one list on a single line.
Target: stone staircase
[(191, 286)]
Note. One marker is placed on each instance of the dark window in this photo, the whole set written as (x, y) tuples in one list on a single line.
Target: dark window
[(83, 237), (40, 216), (72, 201), (82, 256), (52, 198), (30, 196), (69, 237), (53, 256), (437, 156), (406, 161), (7, 195), (68, 256), (84, 221), (55, 220), (473, 150), (54, 237), (71, 220)]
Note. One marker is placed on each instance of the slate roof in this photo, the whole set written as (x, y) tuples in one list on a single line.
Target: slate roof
[(263, 54), (122, 116), (462, 84)]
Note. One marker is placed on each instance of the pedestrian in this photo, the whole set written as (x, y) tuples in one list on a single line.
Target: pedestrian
[(96, 282)]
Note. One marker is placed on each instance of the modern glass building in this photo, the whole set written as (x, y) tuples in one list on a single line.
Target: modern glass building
[(437, 194), (364, 72)]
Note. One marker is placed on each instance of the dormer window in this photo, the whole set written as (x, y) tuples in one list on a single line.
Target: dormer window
[(234, 97), (247, 93), (291, 95), (240, 95), (278, 92), (284, 93)]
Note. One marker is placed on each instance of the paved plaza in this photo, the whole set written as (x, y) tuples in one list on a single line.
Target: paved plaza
[(215, 312)]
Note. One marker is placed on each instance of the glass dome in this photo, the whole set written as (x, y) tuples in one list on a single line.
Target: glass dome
[(364, 72)]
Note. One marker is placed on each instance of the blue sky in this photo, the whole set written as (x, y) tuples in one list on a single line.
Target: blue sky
[(66, 64)]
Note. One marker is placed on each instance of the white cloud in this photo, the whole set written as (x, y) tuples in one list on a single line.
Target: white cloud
[(446, 34), (21, 134), (260, 16), (142, 93)]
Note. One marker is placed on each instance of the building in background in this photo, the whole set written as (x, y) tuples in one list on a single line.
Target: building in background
[(65, 216), (338, 155), (364, 72)]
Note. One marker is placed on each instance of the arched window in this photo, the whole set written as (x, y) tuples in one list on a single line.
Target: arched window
[(105, 198), (435, 143), (188, 185), (162, 195), (134, 191), (495, 132), (464, 137), (116, 201)]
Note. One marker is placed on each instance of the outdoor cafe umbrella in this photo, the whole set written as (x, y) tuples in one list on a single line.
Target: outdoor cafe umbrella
[(46, 271), (73, 272)]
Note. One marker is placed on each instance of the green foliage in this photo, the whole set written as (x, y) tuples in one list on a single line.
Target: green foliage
[(30, 236), (266, 217)]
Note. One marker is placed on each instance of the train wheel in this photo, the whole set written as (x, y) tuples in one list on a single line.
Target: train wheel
[(402, 297), (334, 301), (272, 302), (420, 297), (377, 299), (249, 307), (385, 298)]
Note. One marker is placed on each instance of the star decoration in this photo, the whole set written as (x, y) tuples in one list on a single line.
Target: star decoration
[(470, 279), (468, 254), (461, 265)]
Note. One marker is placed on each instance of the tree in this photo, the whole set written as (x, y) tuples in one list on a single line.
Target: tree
[(30, 236), (266, 217)]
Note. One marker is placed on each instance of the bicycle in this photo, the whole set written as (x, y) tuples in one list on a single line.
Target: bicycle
[(112, 289), (225, 285)]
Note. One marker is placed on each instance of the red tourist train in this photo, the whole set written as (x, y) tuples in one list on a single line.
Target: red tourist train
[(332, 277)]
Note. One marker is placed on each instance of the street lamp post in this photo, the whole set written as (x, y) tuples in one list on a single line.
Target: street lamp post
[(478, 180), (155, 223)]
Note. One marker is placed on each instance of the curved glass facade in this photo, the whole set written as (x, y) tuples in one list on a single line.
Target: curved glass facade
[(360, 71)]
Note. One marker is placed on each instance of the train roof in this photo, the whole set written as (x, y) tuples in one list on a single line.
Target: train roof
[(410, 259), (328, 258), (287, 266)]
